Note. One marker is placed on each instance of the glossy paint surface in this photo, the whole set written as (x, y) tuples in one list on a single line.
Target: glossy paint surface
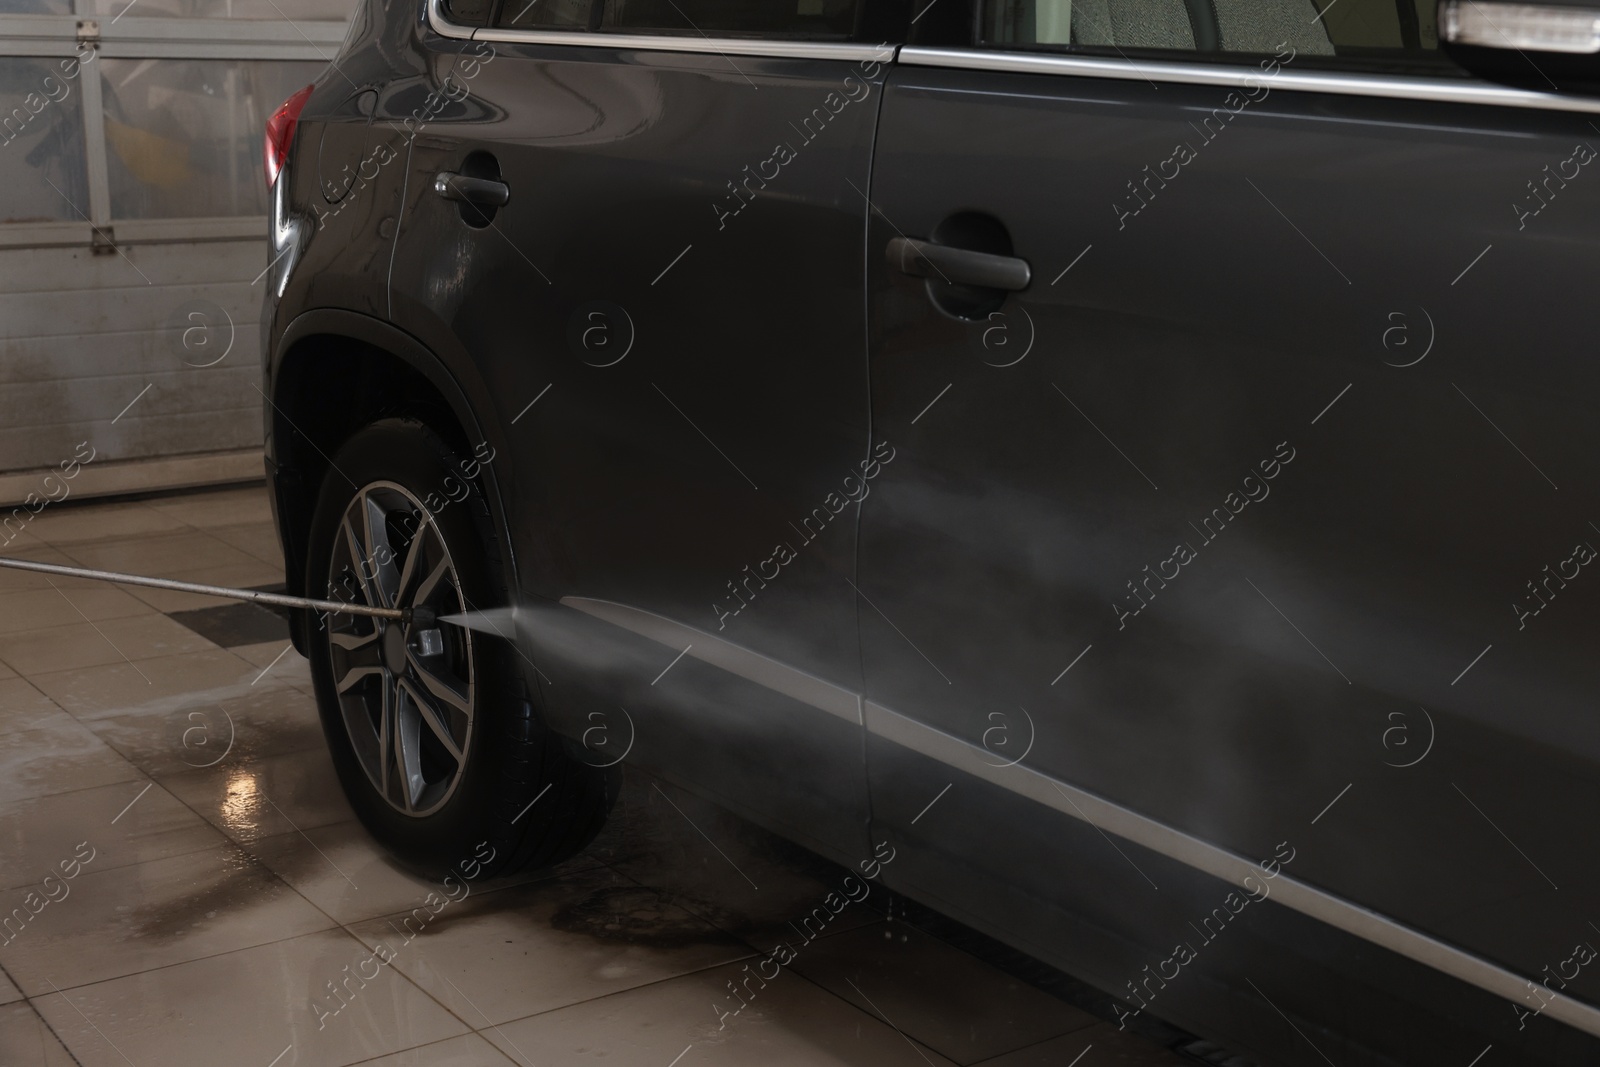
[(1229, 519), (1255, 449), (682, 418)]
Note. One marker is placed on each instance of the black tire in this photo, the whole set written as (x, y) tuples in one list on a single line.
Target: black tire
[(432, 805)]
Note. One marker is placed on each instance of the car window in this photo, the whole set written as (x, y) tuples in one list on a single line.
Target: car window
[(803, 19), (468, 12), (544, 14), (1365, 34)]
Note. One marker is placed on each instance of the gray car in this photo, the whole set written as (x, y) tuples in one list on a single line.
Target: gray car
[(1120, 472)]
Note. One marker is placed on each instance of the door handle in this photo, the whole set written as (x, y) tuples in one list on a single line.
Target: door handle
[(485, 192), (958, 266)]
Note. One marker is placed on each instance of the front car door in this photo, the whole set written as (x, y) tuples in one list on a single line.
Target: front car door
[(663, 324), (1236, 546)]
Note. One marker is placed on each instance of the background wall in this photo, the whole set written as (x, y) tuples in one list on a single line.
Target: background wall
[(133, 230)]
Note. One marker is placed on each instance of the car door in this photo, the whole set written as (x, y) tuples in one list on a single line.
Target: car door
[(634, 232), (1231, 393)]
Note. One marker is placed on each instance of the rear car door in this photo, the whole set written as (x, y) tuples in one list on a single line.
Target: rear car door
[(1230, 406), (634, 232)]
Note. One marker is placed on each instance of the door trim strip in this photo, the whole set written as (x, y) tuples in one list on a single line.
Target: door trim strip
[(1443, 90), (439, 20), (1229, 866), (1080, 804), (764, 671)]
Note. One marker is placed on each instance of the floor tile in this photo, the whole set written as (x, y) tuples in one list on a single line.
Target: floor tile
[(341, 870), (245, 1008), (787, 1023), (260, 539), (110, 923), (26, 1041), (939, 995), (43, 750), (12, 580), (168, 737), (38, 609), (96, 644), (273, 654), (547, 944), (284, 666), (345, 872), (272, 795), (59, 648), (37, 835), (468, 1050), (76, 523), (711, 862), (220, 507), (188, 680), (251, 575), (159, 555), (1101, 1045), (18, 536), (22, 696)]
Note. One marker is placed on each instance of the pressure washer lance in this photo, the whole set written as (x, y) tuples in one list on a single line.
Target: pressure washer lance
[(420, 616)]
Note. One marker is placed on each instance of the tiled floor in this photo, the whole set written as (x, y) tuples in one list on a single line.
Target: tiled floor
[(210, 899)]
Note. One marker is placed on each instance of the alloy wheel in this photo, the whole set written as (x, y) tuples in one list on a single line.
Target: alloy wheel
[(406, 691)]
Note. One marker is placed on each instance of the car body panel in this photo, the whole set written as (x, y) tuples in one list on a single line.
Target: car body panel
[(1309, 638), (632, 343), (1082, 781)]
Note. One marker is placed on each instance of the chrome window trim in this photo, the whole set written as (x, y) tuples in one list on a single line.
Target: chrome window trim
[(726, 46), (1443, 90), (440, 24), (643, 42), (1074, 802)]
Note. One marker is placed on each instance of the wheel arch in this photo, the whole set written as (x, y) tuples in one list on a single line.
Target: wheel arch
[(331, 373)]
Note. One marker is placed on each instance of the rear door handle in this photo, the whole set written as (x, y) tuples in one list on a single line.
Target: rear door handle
[(958, 266), (484, 192)]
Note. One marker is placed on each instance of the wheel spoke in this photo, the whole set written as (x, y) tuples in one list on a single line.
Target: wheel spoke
[(437, 719), (384, 574), (357, 674), (351, 653), (441, 687), (385, 739), (351, 642), (408, 570), (408, 745), (358, 559), (431, 582)]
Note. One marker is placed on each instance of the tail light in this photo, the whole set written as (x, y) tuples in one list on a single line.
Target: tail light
[(280, 133)]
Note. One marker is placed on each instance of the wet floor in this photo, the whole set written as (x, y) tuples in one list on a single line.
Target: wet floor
[(181, 881)]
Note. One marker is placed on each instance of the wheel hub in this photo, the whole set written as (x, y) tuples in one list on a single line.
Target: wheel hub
[(393, 643)]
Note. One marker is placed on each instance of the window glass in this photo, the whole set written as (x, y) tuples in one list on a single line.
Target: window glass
[(35, 7), (544, 14), (1367, 31), (42, 168), (183, 136), (469, 12), (734, 18), (295, 10)]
